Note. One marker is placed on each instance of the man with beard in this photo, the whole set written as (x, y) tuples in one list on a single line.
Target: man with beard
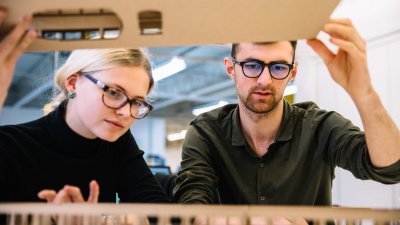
[(265, 151)]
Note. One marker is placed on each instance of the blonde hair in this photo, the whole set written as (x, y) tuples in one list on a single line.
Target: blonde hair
[(90, 60)]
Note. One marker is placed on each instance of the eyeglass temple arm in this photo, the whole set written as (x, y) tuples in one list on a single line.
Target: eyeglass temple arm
[(97, 82)]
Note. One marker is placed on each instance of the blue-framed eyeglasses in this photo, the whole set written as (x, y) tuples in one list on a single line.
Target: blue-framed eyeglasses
[(115, 99), (254, 68)]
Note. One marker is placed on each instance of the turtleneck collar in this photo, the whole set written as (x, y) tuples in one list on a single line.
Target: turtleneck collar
[(64, 139)]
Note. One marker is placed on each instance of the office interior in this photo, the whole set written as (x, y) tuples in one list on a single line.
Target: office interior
[(199, 81)]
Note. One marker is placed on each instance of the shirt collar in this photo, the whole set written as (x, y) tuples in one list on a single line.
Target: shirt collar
[(237, 135), (285, 132)]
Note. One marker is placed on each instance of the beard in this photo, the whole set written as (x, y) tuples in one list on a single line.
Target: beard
[(257, 105)]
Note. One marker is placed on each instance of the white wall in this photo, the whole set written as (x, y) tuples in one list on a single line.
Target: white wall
[(314, 83)]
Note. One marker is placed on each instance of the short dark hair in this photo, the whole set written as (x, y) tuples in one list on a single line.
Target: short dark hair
[(236, 45)]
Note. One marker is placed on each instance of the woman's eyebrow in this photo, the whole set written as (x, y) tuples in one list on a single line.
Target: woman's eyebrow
[(117, 86), (120, 88)]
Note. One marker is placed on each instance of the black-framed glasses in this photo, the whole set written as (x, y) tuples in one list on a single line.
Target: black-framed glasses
[(254, 68), (115, 99)]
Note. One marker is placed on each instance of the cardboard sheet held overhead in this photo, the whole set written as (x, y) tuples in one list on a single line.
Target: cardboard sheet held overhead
[(67, 25)]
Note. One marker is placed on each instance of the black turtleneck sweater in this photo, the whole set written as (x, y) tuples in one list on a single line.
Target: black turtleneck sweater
[(47, 154)]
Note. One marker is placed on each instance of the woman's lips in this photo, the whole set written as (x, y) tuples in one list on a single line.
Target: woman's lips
[(115, 123)]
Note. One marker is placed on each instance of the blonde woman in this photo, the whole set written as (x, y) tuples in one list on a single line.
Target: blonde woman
[(82, 150)]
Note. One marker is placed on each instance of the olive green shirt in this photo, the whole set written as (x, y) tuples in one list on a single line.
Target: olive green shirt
[(218, 165)]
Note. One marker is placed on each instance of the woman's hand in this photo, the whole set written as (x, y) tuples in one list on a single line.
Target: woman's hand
[(70, 194), (11, 48)]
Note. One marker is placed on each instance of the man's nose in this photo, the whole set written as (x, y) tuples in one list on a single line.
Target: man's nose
[(265, 77)]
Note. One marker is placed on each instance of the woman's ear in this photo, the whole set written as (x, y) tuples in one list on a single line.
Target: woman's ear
[(70, 82), (229, 68)]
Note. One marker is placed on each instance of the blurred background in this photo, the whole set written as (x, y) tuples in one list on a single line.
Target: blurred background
[(197, 82)]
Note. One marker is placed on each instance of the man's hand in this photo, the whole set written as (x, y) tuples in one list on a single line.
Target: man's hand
[(11, 48), (349, 69), (349, 66), (70, 194)]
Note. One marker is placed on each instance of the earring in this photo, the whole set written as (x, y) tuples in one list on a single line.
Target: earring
[(71, 95)]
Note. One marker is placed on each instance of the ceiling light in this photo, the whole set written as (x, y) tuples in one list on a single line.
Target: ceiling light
[(174, 66), (206, 108), (177, 136)]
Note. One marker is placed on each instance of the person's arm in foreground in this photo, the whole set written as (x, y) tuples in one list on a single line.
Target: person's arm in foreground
[(11, 48), (350, 70)]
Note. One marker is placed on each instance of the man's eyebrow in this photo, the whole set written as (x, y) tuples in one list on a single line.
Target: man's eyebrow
[(280, 61), (274, 61)]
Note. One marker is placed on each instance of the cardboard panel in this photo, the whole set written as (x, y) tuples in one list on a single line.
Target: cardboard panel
[(150, 23)]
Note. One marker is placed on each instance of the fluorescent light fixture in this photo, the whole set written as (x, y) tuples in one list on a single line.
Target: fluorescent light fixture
[(290, 90), (207, 108), (174, 66), (177, 136)]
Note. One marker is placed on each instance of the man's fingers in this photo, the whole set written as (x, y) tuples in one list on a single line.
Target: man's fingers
[(74, 193), (47, 194), (347, 33), (94, 192), (11, 41), (347, 46), (321, 49), (342, 21)]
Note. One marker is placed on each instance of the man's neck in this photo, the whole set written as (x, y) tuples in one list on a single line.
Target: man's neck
[(260, 130)]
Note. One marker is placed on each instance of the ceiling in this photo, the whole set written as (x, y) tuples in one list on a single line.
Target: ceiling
[(204, 80)]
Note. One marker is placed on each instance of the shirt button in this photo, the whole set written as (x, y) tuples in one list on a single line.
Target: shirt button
[(261, 165), (262, 198)]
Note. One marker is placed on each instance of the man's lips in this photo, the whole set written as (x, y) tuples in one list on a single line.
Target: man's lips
[(262, 93)]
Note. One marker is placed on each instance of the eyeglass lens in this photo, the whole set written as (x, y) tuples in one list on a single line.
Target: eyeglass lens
[(116, 99), (277, 70)]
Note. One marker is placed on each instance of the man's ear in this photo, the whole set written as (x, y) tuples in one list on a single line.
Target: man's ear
[(70, 82), (293, 73), (229, 68)]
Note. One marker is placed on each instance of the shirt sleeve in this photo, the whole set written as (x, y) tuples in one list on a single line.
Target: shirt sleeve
[(347, 148), (197, 178), (136, 182)]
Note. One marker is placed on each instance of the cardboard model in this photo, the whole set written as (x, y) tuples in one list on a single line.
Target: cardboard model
[(67, 25)]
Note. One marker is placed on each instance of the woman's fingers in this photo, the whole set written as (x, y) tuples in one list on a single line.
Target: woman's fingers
[(62, 197), (94, 192), (74, 193), (70, 194), (47, 195)]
